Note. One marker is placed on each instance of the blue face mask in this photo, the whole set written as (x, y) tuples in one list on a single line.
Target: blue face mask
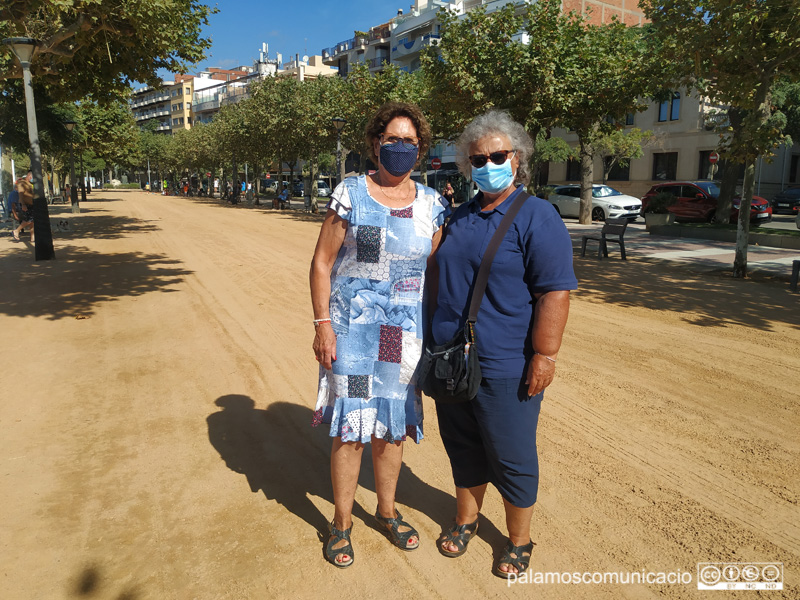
[(492, 178), (398, 159)]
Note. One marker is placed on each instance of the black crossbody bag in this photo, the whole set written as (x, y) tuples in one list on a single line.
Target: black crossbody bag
[(450, 372)]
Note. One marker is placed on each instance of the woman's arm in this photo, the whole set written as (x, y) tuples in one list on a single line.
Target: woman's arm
[(549, 320), (432, 275), (331, 238)]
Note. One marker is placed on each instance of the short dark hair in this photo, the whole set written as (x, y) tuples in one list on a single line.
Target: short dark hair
[(391, 110)]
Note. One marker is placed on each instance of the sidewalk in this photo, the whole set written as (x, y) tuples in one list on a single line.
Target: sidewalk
[(703, 254)]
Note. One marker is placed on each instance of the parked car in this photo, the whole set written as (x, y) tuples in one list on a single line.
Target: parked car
[(788, 200), (269, 185), (697, 201), (323, 189), (607, 203)]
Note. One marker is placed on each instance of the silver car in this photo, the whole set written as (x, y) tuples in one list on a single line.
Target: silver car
[(607, 203)]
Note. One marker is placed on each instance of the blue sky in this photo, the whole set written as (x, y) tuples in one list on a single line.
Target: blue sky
[(299, 27)]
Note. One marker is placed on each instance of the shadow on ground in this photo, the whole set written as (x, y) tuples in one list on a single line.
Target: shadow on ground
[(279, 455), (98, 223), (74, 284), (91, 584), (708, 299)]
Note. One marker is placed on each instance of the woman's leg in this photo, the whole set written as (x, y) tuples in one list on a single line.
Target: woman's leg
[(345, 466), (387, 458), (518, 521), (468, 506)]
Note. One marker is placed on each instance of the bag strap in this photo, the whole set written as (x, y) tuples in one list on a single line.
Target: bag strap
[(486, 263)]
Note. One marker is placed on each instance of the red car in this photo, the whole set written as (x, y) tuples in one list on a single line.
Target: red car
[(697, 201)]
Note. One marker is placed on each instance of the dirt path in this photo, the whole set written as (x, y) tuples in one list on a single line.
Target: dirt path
[(159, 390)]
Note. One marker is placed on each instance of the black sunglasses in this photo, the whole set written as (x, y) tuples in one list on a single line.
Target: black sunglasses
[(498, 158)]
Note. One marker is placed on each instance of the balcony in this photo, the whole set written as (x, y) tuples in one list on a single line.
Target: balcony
[(416, 19), (212, 104), (380, 34), (406, 46), (377, 62)]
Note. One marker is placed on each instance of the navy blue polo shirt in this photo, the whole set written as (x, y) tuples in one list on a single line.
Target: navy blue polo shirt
[(535, 256)]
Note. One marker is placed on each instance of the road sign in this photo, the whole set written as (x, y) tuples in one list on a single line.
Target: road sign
[(208, 174), (713, 158), (436, 163)]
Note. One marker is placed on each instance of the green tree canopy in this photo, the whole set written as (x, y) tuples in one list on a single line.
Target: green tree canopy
[(100, 47), (734, 53)]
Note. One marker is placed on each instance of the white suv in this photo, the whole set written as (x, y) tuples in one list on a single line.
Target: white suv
[(607, 203)]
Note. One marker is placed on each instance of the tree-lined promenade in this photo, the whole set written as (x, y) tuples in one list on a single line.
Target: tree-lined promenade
[(161, 448), (549, 69)]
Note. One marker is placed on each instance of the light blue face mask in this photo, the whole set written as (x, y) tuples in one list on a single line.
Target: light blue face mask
[(492, 178)]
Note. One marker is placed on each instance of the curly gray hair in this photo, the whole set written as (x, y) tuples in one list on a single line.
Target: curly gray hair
[(492, 123)]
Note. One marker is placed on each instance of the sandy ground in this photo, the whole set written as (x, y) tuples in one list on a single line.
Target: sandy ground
[(156, 439)]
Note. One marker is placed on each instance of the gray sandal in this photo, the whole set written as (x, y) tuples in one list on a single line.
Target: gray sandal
[(520, 560), (391, 527), (458, 535), (332, 553)]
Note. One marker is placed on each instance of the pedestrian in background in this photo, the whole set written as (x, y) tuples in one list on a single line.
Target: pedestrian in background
[(25, 191)]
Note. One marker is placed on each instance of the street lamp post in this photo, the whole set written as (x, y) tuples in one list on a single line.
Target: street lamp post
[(83, 180), (73, 190), (23, 49), (339, 124)]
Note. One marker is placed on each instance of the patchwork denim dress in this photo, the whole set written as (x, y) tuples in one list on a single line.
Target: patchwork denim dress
[(376, 312)]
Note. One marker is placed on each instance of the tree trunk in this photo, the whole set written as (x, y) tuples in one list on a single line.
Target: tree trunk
[(763, 112), (743, 227), (235, 176), (313, 172), (587, 178), (730, 173), (727, 190)]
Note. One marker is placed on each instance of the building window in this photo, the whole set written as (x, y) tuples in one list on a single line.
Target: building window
[(793, 174), (188, 91), (665, 166), (573, 170), (628, 119), (670, 110), (174, 121), (618, 172)]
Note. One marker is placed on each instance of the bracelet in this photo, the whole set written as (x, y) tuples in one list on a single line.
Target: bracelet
[(318, 322), (550, 358)]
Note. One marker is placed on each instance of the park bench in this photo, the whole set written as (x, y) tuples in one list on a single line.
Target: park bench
[(612, 231)]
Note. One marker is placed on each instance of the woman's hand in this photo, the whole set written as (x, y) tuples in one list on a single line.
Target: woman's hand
[(541, 371), (325, 345)]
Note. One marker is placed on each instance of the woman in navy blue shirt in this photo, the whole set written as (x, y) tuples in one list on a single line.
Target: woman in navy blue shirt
[(492, 438)]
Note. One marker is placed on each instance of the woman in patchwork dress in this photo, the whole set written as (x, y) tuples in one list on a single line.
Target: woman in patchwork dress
[(367, 278)]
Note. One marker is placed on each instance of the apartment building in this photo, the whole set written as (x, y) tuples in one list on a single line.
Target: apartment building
[(208, 100), (171, 102), (683, 141)]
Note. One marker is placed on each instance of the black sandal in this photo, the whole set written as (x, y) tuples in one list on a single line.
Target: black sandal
[(332, 553), (459, 535), (391, 527), (520, 560)]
